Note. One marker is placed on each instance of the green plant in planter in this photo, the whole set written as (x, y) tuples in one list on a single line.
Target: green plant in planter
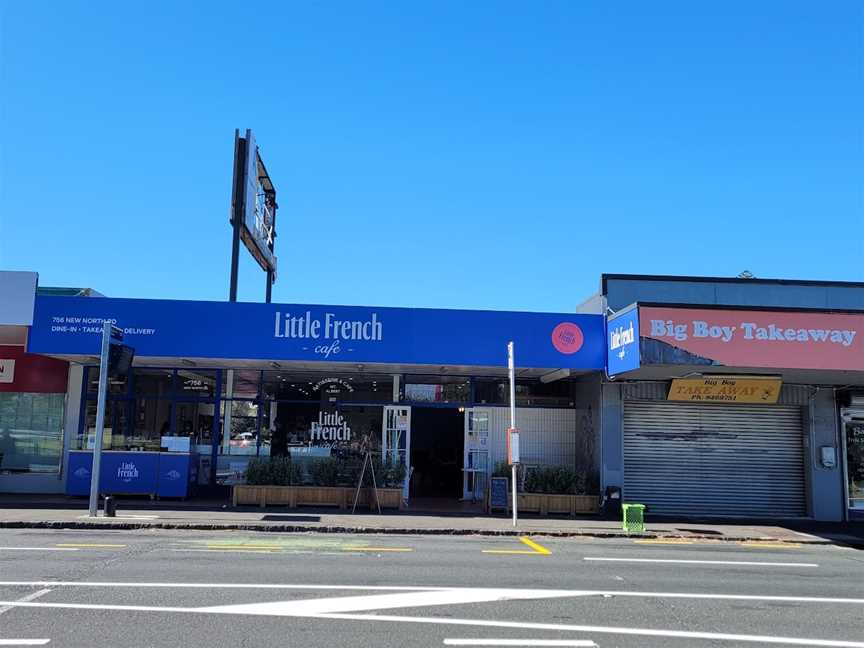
[(272, 471), (325, 471), (557, 480)]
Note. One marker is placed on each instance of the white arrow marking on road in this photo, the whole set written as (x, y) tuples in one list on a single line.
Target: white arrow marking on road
[(705, 562)]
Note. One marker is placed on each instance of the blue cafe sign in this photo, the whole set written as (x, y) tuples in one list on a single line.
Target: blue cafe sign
[(71, 326), (622, 342)]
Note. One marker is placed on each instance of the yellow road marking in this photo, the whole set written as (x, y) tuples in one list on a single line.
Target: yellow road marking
[(669, 541), (771, 545), (540, 549), (536, 549), (377, 549), (101, 546)]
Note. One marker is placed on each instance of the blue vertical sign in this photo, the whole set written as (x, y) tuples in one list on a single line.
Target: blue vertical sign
[(622, 341)]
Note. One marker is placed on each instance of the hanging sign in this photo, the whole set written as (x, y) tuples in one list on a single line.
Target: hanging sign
[(512, 446), (726, 389)]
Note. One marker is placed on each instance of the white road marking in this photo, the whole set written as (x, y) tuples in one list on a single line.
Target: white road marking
[(39, 549), (359, 588), (704, 562), (421, 588), (25, 599), (378, 618), (584, 643), (641, 632), (23, 642), (312, 607)]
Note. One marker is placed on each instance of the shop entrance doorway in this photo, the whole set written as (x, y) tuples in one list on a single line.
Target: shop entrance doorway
[(437, 446)]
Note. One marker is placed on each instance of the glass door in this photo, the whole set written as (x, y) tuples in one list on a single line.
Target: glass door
[(475, 470), (396, 440)]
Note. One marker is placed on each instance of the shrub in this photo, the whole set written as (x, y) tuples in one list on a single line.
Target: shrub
[(324, 472), (272, 471), (558, 480)]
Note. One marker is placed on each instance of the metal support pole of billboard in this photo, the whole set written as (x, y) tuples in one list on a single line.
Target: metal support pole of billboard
[(100, 419), (237, 194), (511, 366)]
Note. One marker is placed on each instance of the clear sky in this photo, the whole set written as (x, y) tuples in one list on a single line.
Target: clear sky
[(444, 154)]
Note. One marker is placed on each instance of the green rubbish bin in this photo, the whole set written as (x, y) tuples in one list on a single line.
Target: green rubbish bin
[(634, 517)]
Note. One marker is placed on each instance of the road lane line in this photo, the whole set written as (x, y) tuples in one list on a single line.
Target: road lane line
[(661, 541), (32, 596), (91, 545), (576, 643), (703, 562), (540, 549), (38, 549), (24, 642), (395, 549)]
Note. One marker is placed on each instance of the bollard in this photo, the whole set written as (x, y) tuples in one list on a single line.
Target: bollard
[(110, 506)]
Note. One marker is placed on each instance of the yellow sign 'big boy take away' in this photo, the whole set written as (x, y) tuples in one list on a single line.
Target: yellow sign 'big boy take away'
[(726, 389)]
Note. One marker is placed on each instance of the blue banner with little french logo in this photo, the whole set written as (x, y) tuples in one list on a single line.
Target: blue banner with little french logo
[(622, 342), (72, 326)]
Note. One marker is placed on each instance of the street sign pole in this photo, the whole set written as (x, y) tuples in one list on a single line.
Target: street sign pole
[(100, 419), (512, 434)]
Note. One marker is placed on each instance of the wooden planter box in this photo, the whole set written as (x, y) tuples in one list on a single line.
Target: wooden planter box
[(294, 496), (544, 504)]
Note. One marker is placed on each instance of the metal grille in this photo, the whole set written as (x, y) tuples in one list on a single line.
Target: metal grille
[(699, 459)]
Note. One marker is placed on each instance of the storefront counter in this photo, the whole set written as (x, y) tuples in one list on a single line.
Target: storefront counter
[(157, 474)]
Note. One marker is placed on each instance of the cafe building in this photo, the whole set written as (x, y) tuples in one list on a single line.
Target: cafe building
[(216, 384), (734, 397)]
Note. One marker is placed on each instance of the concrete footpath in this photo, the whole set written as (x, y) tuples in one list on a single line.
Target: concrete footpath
[(19, 512)]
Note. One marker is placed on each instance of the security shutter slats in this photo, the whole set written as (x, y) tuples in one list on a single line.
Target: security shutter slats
[(706, 459)]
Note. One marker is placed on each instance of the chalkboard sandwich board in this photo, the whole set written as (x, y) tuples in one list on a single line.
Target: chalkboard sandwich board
[(498, 489)]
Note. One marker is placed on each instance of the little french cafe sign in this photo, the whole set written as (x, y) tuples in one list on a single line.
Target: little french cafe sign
[(726, 389)]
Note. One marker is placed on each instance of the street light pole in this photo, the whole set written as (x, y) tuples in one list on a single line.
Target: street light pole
[(100, 419), (512, 434)]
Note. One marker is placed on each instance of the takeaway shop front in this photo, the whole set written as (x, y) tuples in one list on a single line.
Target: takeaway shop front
[(720, 411), (215, 384)]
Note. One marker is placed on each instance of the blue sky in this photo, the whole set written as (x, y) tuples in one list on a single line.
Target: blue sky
[(446, 154)]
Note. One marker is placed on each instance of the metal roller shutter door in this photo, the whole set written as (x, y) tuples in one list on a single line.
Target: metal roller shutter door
[(697, 459)]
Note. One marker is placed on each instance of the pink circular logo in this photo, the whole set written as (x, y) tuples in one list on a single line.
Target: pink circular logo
[(567, 338)]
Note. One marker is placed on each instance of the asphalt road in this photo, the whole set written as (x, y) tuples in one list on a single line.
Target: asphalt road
[(164, 588)]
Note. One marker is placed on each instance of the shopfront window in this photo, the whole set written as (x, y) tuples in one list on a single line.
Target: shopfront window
[(117, 433), (529, 392), (437, 389), (240, 383), (152, 419), (154, 383), (328, 388), (240, 427), (31, 432), (117, 385), (195, 420), (198, 383), (855, 463)]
